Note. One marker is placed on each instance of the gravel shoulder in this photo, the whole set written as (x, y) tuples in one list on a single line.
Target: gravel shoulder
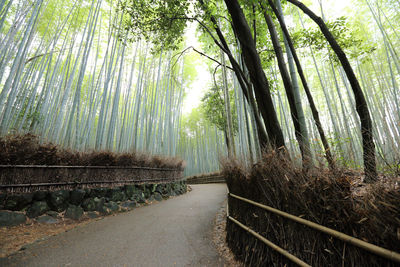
[(219, 238), (176, 232)]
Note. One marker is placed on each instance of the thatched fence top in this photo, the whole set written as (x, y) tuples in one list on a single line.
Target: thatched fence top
[(21, 177), (207, 178)]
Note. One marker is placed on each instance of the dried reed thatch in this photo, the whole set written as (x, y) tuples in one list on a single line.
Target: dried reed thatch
[(27, 150), (335, 200)]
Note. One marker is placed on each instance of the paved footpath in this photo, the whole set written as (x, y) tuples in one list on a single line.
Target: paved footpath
[(175, 232)]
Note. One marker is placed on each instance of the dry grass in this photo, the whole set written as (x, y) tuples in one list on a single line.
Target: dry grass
[(12, 239), (205, 175), (219, 238), (337, 200), (27, 150)]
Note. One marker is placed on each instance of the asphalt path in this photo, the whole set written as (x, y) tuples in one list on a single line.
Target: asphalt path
[(174, 232)]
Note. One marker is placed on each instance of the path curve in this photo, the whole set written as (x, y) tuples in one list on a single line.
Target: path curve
[(175, 232)]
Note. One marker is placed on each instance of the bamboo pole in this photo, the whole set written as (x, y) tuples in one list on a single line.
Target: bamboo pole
[(388, 254)]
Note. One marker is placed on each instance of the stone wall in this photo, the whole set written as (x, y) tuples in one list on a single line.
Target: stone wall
[(47, 206)]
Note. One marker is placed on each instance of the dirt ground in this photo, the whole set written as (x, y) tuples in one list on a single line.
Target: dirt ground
[(13, 239), (219, 238)]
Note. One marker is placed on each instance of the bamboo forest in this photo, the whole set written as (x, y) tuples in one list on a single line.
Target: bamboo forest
[(98, 75), (290, 106)]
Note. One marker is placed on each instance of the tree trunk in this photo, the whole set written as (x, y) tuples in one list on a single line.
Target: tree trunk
[(257, 75), (231, 151), (361, 104), (310, 99), (288, 87), (244, 84), (296, 91)]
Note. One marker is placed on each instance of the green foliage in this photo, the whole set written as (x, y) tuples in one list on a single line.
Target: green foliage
[(31, 115), (191, 60), (347, 37), (213, 106), (56, 11), (192, 122), (157, 21)]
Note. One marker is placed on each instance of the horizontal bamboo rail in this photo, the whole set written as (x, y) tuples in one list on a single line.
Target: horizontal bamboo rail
[(270, 244), (85, 167), (24, 178), (86, 183), (388, 254)]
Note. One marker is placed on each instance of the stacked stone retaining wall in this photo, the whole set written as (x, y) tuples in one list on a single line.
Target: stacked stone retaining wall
[(47, 206)]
